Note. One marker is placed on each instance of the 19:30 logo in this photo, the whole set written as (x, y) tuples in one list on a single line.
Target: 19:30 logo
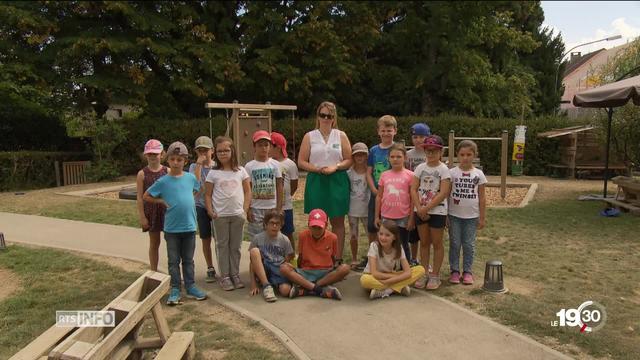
[(590, 316)]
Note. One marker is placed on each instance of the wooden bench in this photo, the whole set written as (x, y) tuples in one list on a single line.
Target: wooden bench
[(121, 341), (584, 171), (179, 346), (74, 172), (596, 171), (628, 195)]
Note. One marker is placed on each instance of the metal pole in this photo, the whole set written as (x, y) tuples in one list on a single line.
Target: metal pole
[(451, 147), (503, 164), (606, 156), (210, 126)]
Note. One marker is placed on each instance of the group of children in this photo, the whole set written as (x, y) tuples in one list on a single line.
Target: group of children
[(405, 198), (420, 195)]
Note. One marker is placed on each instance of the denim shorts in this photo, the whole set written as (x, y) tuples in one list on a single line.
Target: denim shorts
[(288, 227), (274, 276), (313, 275), (204, 223)]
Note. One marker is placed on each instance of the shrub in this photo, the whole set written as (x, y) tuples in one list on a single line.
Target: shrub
[(538, 152), (23, 170)]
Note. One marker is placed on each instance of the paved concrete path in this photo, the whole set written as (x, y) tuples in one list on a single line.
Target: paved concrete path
[(420, 327)]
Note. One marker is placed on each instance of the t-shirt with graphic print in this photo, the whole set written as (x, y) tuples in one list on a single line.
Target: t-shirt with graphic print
[(430, 178), (396, 200), (463, 200), (379, 161), (385, 264), (415, 157), (263, 175), (274, 250), (359, 194)]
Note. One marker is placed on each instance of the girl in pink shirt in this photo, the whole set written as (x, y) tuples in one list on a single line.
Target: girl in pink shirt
[(393, 201)]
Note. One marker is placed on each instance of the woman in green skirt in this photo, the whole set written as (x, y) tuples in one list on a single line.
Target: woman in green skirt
[(325, 153)]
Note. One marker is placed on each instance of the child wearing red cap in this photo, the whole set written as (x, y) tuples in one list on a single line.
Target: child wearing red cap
[(289, 171), (267, 188), (151, 215), (317, 265)]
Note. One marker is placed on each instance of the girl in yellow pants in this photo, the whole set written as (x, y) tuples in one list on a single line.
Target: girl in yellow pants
[(388, 270)]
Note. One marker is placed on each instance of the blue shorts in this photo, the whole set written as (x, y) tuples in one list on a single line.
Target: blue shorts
[(204, 223), (313, 275), (288, 227), (274, 276)]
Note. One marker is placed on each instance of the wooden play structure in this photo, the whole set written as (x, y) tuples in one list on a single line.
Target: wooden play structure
[(581, 155), (245, 119), (122, 341), (504, 141), (628, 195)]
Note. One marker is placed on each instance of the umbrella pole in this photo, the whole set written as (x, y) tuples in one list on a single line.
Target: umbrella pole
[(606, 156)]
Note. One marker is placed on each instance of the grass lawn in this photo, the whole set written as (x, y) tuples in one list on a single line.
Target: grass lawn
[(50, 280), (557, 253)]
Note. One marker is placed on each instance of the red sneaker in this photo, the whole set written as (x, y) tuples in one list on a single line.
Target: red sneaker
[(467, 278), (454, 278)]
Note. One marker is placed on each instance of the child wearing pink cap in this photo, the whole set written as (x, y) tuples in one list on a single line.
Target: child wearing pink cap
[(151, 216)]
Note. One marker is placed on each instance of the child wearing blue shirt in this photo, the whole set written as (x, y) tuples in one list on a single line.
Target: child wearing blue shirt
[(176, 192)]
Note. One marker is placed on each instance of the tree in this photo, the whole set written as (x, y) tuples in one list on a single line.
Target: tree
[(625, 128), (30, 119)]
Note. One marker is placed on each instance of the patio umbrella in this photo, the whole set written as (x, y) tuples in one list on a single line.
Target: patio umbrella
[(609, 96)]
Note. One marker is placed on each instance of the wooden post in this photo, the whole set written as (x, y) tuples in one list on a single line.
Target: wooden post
[(503, 164), (452, 146), (56, 166)]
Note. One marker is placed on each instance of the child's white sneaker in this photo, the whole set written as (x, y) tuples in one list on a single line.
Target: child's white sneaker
[(268, 294)]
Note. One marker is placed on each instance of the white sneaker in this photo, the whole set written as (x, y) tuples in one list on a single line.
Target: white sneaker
[(268, 294), (406, 291), (421, 282), (378, 294)]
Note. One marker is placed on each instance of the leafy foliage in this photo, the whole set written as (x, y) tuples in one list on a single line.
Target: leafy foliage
[(625, 127), (482, 59)]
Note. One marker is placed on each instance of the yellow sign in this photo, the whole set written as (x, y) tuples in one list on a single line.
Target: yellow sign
[(518, 152)]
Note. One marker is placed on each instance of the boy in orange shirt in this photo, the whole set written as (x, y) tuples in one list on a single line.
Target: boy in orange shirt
[(317, 270)]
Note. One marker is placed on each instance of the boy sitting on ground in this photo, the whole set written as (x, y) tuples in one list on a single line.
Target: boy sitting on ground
[(317, 268), (267, 251)]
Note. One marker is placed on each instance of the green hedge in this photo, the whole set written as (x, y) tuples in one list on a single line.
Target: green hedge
[(23, 170), (538, 152)]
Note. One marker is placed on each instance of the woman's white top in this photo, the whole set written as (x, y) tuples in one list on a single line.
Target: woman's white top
[(325, 153)]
